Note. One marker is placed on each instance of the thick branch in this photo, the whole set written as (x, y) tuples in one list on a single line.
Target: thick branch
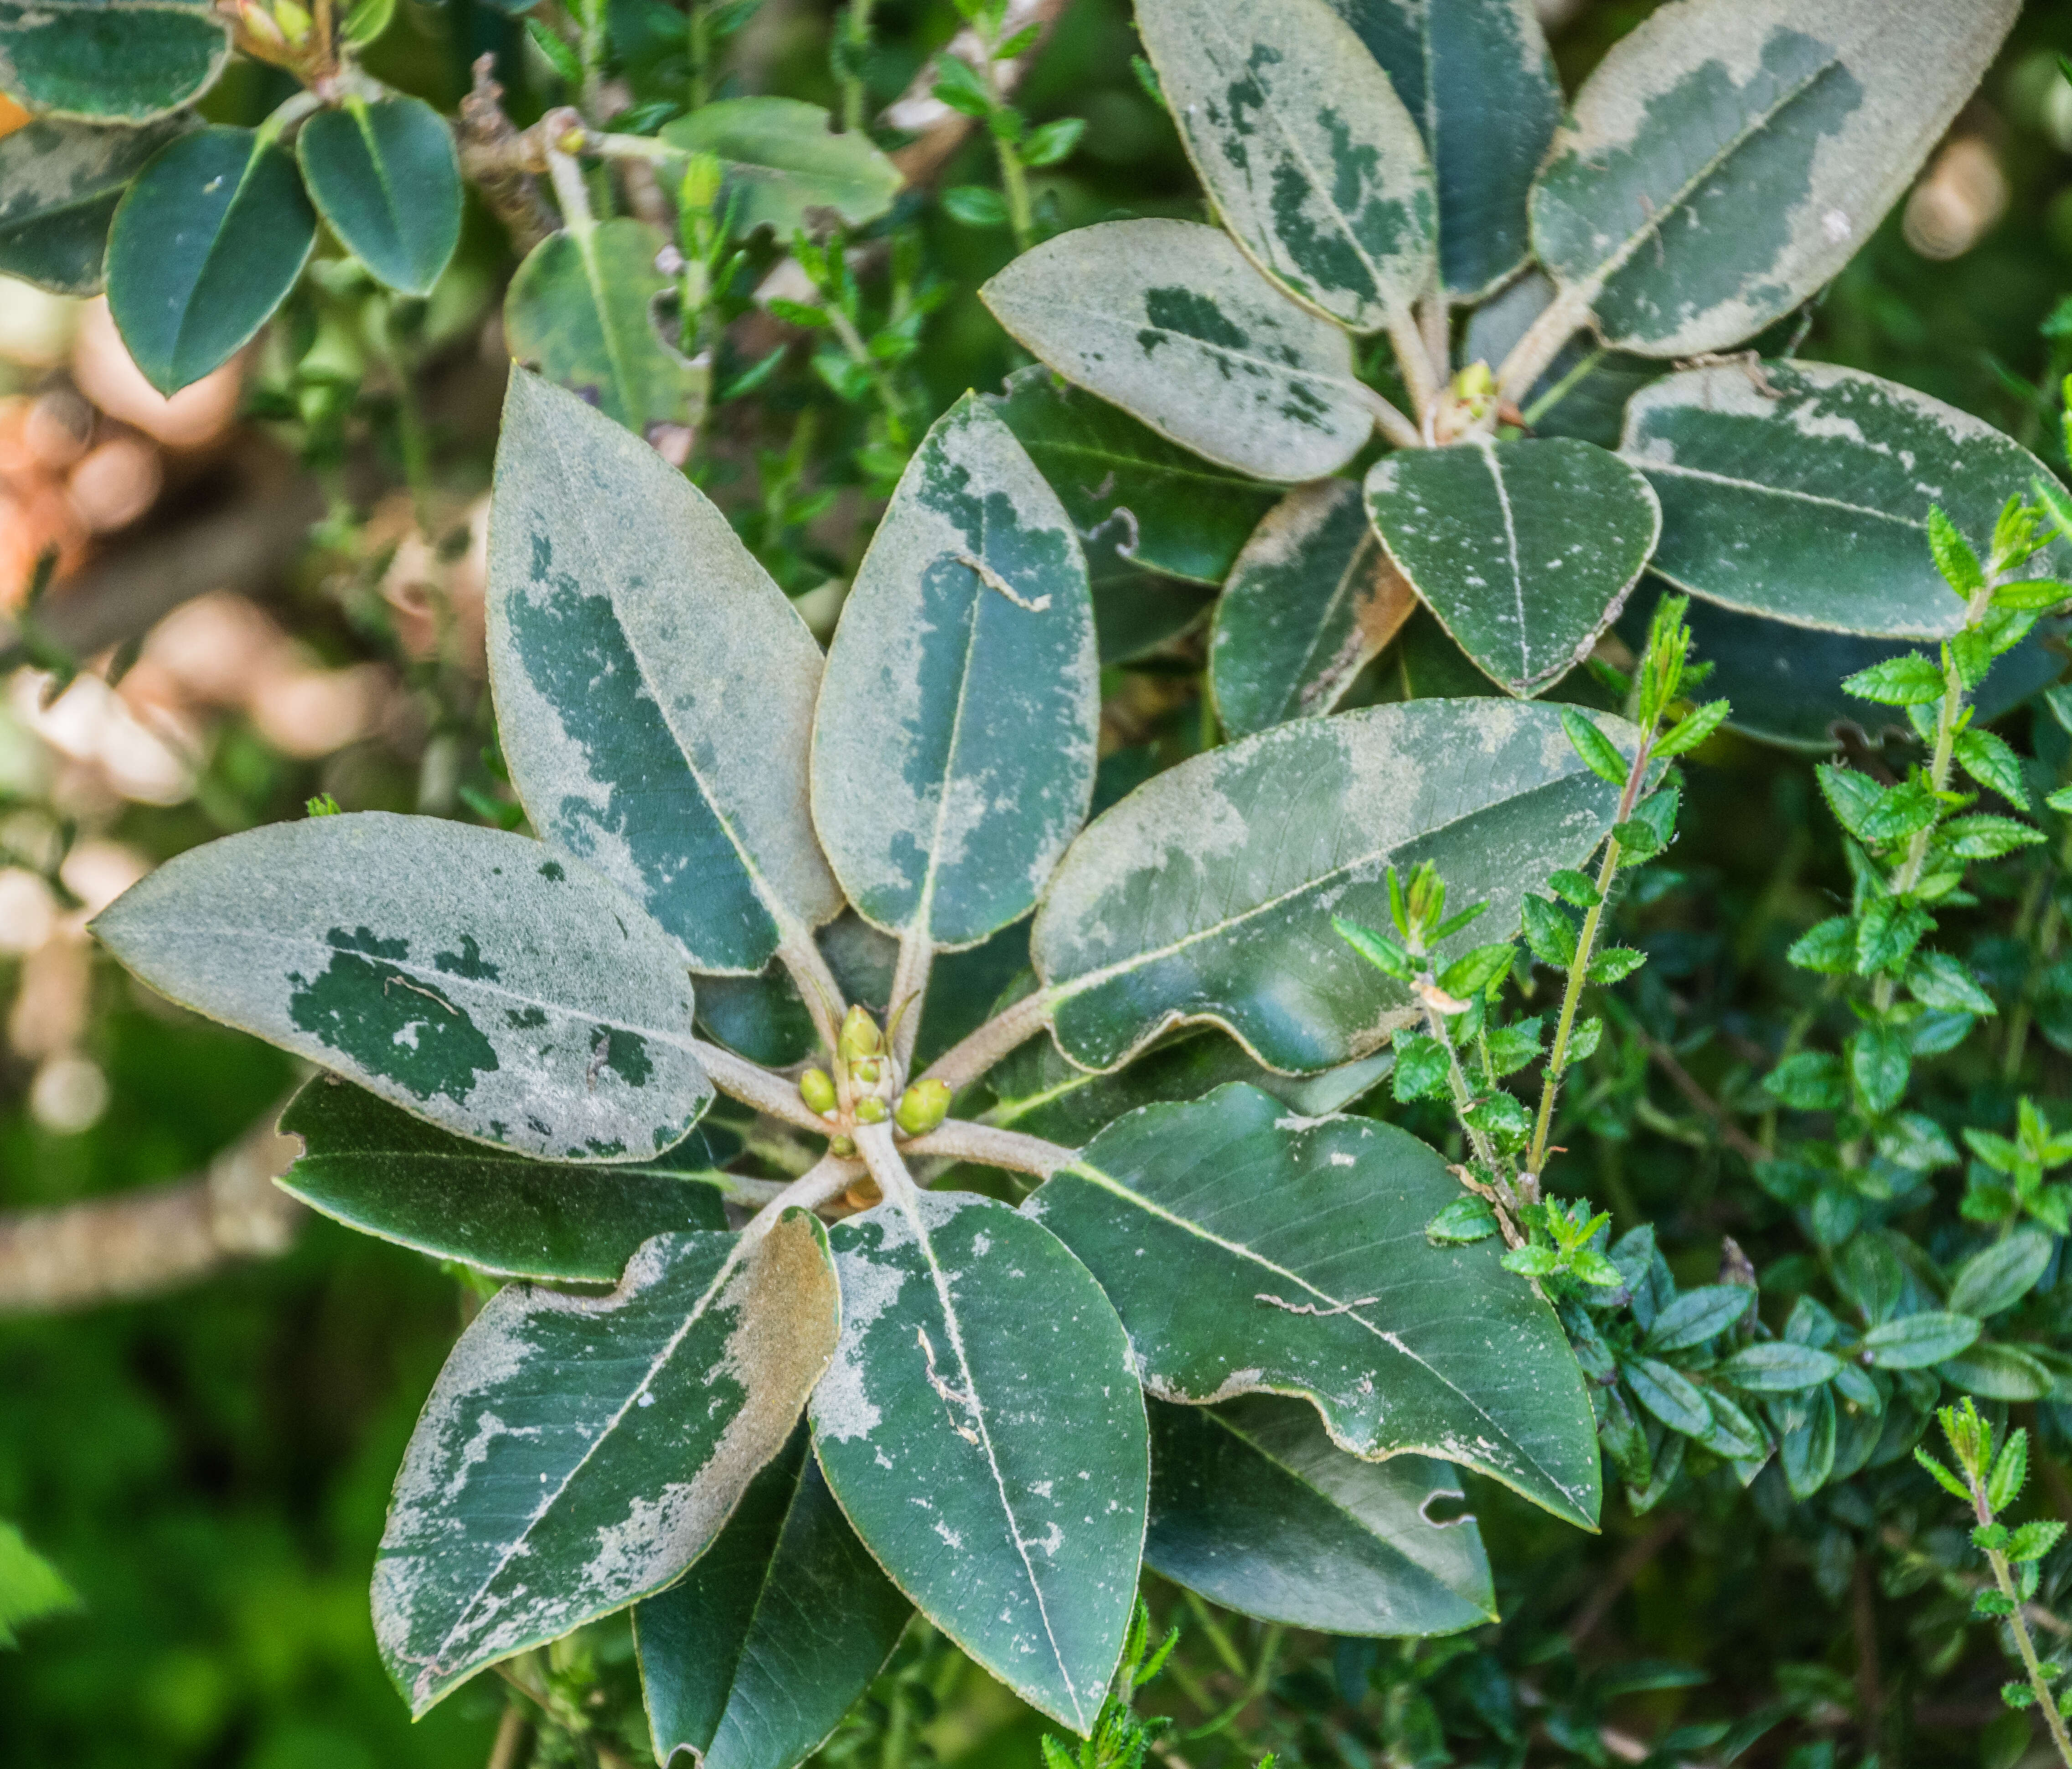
[(143, 1242), (743, 1080), (910, 988), (962, 1141), (827, 1178), (875, 1143), (972, 1055)]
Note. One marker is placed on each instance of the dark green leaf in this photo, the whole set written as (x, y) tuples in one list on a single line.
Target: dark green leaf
[(981, 1372), (1463, 1222), (1670, 1395), (1249, 1250), (59, 183), (205, 245), (1998, 1276), (386, 176), (374, 1168), (1525, 550), (1913, 1342), (1254, 1507), (751, 1660), (1698, 1315), (1778, 1367), (113, 61)]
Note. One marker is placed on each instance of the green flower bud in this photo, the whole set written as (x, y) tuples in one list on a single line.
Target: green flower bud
[(923, 1106), (859, 1036), (817, 1090), (865, 1071), (870, 1109), (842, 1146)]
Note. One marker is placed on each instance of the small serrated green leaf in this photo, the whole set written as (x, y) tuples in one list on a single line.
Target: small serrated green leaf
[(1596, 749)]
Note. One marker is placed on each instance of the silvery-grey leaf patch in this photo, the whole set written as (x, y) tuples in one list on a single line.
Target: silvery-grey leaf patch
[(1174, 324), (654, 689), (1208, 893), (1728, 157), (1315, 166), (468, 976), (953, 749), (577, 1453)]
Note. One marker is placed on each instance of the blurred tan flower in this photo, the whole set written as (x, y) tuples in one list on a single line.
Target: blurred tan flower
[(193, 417)]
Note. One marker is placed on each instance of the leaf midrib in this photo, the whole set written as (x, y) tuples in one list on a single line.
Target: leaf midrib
[(1237, 1250)]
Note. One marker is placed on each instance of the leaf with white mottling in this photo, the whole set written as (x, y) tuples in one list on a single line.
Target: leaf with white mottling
[(59, 183), (982, 1428), (1311, 601), (1476, 80), (1249, 1250), (1800, 492), (1208, 893), (1526, 551), (1253, 1506), (953, 748), (751, 1659), (378, 1170), (464, 974), (654, 689), (577, 1452), (1172, 322), (1126, 487), (1315, 166), (1728, 157), (112, 61)]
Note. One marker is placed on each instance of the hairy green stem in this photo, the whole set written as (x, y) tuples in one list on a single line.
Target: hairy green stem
[(856, 30), (2024, 1644)]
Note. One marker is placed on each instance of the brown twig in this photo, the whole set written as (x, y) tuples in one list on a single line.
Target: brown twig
[(1629, 1566), (504, 163), (1731, 1133), (143, 1242)]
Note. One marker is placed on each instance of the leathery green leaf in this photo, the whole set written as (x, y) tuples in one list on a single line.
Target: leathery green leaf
[(59, 183), (205, 245), (387, 178), (577, 1452), (1314, 165), (752, 1659), (1158, 506), (378, 1170), (466, 975), (1800, 492), (1311, 601), (1208, 893), (1728, 157), (785, 168), (581, 310), (1253, 1506), (1170, 321), (1036, 1090), (113, 61), (1526, 551), (1250, 1251), (983, 1429), (654, 689), (953, 748), (1476, 80)]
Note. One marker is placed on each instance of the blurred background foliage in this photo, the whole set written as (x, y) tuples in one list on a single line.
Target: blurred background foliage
[(208, 1470)]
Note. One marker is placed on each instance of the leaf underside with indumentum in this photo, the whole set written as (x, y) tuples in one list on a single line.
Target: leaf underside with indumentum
[(752, 1658), (1252, 1251), (467, 975), (1724, 160), (59, 183), (1208, 893), (385, 1173), (1311, 601), (1171, 322), (654, 688), (1313, 162), (577, 1453), (983, 1429), (953, 746), (1800, 492), (1253, 1506)]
